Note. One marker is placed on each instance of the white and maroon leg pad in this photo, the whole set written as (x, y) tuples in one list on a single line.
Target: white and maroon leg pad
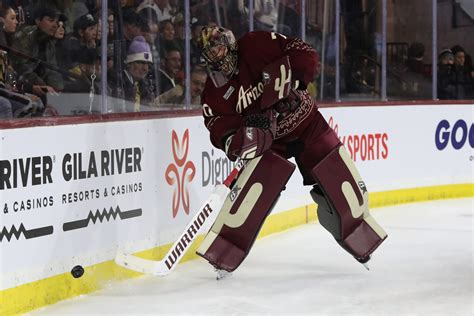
[(248, 204), (343, 210)]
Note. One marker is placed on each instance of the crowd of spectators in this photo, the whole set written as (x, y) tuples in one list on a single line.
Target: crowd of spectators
[(455, 74), (50, 48)]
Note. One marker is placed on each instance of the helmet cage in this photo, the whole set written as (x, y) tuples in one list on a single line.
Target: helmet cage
[(220, 55)]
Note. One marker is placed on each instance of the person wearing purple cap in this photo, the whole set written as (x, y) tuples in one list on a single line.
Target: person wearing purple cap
[(136, 87)]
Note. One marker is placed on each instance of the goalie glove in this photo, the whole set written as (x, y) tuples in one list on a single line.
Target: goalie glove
[(253, 138)]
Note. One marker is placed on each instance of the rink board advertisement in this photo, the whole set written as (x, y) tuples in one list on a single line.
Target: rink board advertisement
[(398, 147), (74, 194)]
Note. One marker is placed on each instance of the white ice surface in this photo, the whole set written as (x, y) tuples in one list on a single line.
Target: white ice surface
[(425, 267)]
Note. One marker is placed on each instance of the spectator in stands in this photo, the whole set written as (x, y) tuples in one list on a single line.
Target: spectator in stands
[(198, 82), (8, 25), (195, 54), (149, 17), (14, 102), (177, 94), (446, 84), (132, 27), (83, 83), (446, 57), (179, 31), (459, 55), (85, 36), (416, 54), (200, 9), (470, 69), (416, 84), (289, 17), (177, 7), (151, 34), (162, 9), (167, 37), (86, 74), (110, 25), (86, 31), (60, 31), (266, 15), (468, 64), (171, 68), (461, 74), (35, 61), (136, 87)]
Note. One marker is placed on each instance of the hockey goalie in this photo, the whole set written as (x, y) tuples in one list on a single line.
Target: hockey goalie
[(256, 108)]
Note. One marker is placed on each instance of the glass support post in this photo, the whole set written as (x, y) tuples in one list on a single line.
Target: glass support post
[(303, 20), (323, 49), (218, 14), (434, 40), (103, 59), (383, 94), (187, 54), (251, 6)]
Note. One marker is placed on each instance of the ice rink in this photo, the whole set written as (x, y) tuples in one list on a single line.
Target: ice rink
[(425, 267)]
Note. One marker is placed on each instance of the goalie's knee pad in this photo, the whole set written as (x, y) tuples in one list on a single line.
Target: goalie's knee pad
[(251, 199), (342, 200)]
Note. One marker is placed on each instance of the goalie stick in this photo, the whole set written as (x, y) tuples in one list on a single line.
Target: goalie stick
[(207, 213)]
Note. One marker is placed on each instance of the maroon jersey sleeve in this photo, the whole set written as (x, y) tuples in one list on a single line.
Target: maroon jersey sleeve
[(270, 46), (220, 118)]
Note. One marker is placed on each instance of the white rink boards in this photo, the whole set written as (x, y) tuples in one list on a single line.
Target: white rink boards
[(78, 193)]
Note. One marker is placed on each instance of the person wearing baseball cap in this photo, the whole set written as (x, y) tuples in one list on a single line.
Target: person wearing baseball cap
[(85, 36), (446, 57), (85, 26)]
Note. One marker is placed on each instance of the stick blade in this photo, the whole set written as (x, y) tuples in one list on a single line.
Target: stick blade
[(141, 265), (210, 209)]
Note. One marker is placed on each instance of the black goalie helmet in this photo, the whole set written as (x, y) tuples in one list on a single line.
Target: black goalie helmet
[(219, 51)]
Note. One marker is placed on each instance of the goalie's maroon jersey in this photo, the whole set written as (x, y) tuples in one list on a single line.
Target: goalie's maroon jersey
[(224, 107)]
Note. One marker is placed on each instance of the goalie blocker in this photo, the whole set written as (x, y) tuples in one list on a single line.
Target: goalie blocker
[(251, 199)]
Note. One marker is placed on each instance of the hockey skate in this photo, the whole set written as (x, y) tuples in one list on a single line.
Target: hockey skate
[(365, 262), (222, 274)]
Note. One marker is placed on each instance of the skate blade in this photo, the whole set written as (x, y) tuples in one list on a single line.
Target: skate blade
[(222, 274), (366, 266)]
